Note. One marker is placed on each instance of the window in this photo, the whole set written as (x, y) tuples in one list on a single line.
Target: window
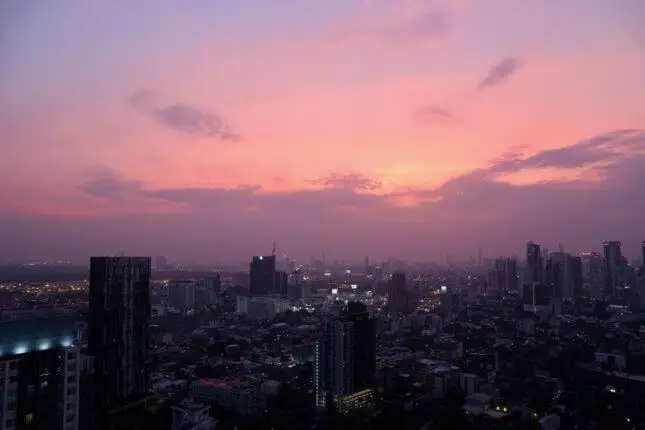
[(12, 365), (71, 355), (11, 406), (71, 379), (29, 418)]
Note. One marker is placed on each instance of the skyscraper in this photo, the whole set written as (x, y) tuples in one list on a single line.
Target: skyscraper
[(399, 297), (534, 263), (612, 269), (345, 363), (118, 335), (643, 253), (262, 275), (181, 295), (507, 277), (213, 288), (592, 273)]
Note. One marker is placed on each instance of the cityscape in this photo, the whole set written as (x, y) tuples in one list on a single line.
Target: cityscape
[(322, 215), (551, 340)]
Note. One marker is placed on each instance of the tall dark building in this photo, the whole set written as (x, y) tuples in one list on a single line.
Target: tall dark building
[(643, 253), (576, 276), (262, 275), (507, 276), (399, 298), (534, 263), (345, 364), (613, 267), (213, 288), (281, 283), (39, 375), (118, 336)]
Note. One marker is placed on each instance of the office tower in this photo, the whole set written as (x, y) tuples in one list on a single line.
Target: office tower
[(592, 274), (534, 262), (119, 314), (39, 381), (181, 295), (449, 302), (160, 262), (561, 247), (262, 275), (213, 288), (345, 363), (612, 269), (538, 298), (480, 256), (576, 276), (506, 275), (281, 283), (643, 253), (399, 298), (559, 274)]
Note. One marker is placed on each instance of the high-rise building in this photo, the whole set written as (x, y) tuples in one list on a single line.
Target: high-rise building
[(345, 363), (612, 270), (559, 274), (213, 288), (506, 277), (399, 297), (39, 380), (643, 253), (534, 263), (262, 275), (450, 302), (576, 276), (592, 274), (281, 283), (118, 335), (181, 295)]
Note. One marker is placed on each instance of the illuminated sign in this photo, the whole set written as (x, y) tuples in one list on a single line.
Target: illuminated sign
[(334, 290)]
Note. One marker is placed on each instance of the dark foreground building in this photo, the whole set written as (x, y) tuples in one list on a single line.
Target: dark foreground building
[(118, 338), (345, 366), (39, 381)]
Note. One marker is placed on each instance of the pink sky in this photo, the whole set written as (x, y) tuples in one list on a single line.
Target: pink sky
[(338, 126)]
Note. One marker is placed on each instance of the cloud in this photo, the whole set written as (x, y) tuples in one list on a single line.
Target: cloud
[(500, 73), (183, 117), (435, 114), (348, 181), (348, 215), (605, 148), (108, 185), (428, 24)]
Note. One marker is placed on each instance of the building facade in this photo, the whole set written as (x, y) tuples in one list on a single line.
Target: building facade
[(118, 334), (39, 381)]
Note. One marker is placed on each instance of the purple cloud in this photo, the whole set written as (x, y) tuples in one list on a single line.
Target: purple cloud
[(500, 73), (474, 209), (183, 117)]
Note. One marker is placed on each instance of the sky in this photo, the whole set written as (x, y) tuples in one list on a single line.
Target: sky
[(411, 129)]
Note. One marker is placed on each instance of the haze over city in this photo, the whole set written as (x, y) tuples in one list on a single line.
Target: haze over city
[(408, 129)]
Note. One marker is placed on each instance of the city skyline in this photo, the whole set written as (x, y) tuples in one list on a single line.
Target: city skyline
[(410, 129)]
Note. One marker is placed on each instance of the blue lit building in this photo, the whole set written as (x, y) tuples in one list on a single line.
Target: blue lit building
[(39, 381)]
